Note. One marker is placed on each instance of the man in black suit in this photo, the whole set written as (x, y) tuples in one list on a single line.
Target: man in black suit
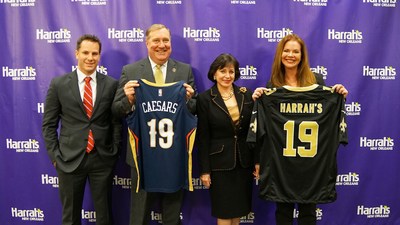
[(90, 136), (158, 42)]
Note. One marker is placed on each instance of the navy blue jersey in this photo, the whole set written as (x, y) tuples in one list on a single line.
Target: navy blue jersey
[(161, 133), (298, 132)]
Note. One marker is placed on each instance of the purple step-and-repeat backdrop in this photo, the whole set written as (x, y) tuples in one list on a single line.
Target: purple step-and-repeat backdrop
[(351, 42)]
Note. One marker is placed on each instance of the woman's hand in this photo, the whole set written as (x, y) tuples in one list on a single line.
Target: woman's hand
[(339, 88), (206, 180), (258, 92), (256, 171)]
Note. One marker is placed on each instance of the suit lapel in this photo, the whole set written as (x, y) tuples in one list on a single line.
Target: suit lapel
[(239, 99), (73, 85), (171, 70), (99, 91), (147, 71), (217, 99)]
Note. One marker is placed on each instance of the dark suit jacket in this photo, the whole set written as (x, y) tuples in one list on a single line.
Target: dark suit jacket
[(219, 141), (176, 71), (64, 105)]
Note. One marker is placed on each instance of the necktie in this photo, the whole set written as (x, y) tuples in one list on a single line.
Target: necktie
[(88, 103), (158, 76)]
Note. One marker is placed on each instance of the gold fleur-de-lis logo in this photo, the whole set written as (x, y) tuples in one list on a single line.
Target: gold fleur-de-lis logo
[(343, 126), (253, 126), (243, 89)]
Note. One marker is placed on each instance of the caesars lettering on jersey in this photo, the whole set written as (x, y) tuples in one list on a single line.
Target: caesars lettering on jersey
[(298, 131), (161, 135)]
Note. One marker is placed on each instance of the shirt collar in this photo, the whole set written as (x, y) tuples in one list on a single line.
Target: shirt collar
[(153, 64), (82, 76)]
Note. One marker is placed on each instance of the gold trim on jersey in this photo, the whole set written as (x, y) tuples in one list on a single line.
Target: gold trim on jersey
[(158, 85), (134, 143)]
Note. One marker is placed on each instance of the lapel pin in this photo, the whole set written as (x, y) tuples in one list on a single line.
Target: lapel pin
[(174, 69)]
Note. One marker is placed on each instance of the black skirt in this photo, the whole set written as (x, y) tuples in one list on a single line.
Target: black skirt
[(231, 192)]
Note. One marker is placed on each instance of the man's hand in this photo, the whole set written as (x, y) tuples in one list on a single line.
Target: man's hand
[(129, 90)]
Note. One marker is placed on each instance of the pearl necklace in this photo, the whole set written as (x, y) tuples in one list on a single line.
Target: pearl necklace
[(226, 98)]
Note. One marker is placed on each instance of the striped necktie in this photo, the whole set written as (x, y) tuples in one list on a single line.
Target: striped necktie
[(88, 103)]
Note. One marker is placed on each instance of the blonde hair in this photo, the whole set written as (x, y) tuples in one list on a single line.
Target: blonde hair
[(305, 76)]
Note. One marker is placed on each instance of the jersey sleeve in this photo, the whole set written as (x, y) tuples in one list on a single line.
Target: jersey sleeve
[(343, 139), (256, 130)]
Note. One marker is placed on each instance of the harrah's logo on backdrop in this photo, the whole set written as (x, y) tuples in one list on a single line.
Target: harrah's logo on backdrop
[(382, 211), (211, 34), (349, 179), (385, 73), (90, 216), (349, 37), (381, 3), (380, 144), (273, 35), (28, 214), (60, 36), (248, 73), (318, 213), (19, 3), (353, 109), (49, 180), (132, 35), (100, 69), (320, 70), (313, 2), (30, 145), (27, 73), (91, 2), (123, 182)]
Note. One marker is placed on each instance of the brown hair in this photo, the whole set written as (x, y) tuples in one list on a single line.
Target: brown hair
[(305, 76), (220, 62), (88, 37)]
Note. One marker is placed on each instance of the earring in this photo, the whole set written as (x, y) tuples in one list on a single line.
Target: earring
[(214, 77)]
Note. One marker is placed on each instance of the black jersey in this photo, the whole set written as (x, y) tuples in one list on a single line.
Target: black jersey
[(161, 134), (298, 132)]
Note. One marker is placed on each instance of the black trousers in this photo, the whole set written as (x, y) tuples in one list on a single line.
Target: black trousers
[(72, 188), (284, 214), (141, 203)]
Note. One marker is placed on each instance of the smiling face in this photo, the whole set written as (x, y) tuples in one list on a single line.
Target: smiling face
[(158, 45), (291, 54), (225, 76), (88, 56)]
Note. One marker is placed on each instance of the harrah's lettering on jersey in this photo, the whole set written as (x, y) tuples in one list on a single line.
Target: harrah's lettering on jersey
[(385, 73), (296, 107), (383, 144), (211, 34), (273, 35), (349, 37), (132, 35), (61, 36)]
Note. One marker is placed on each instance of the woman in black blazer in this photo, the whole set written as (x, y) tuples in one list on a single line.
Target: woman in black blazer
[(226, 162)]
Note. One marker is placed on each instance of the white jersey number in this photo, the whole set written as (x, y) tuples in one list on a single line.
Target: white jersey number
[(165, 128)]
